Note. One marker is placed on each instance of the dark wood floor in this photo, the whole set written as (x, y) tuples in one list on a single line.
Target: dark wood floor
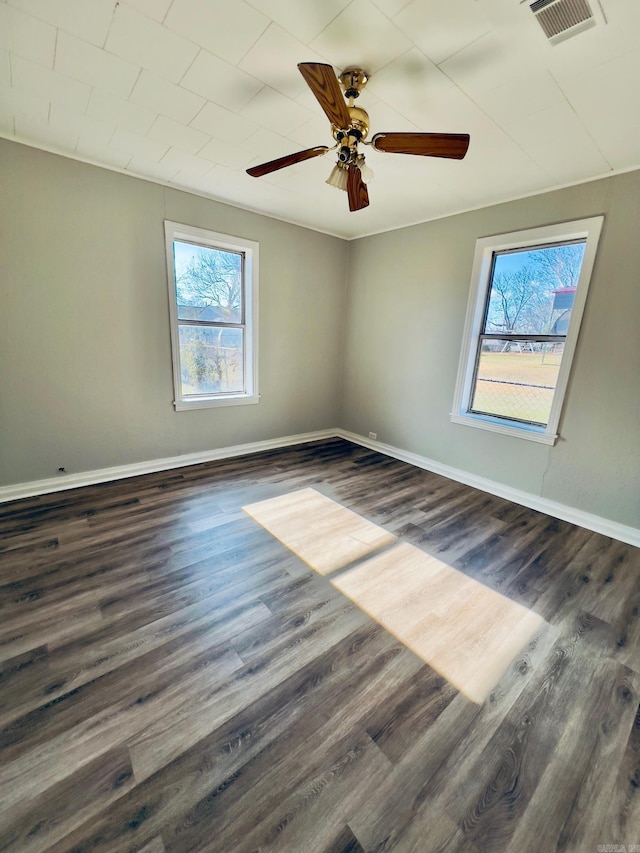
[(172, 678)]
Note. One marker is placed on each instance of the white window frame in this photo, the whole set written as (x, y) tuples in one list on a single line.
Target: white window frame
[(249, 249), (486, 247)]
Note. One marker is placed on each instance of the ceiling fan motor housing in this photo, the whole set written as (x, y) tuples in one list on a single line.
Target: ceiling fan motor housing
[(349, 137), (353, 80)]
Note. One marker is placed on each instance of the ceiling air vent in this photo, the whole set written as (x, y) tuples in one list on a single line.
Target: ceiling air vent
[(562, 19)]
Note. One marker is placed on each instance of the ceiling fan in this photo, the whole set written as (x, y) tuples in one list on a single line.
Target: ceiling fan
[(350, 127)]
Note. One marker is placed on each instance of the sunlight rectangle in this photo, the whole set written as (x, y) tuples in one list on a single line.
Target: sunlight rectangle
[(326, 535), (461, 628)]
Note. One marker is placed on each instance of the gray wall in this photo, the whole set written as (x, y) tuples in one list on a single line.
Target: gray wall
[(407, 300), (85, 360)]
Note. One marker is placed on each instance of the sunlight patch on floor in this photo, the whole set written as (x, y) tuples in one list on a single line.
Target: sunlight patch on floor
[(323, 533), (464, 630), (461, 628)]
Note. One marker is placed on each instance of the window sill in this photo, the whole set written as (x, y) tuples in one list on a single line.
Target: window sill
[(215, 402), (529, 433)]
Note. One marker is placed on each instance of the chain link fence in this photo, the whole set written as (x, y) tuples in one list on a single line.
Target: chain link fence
[(517, 400)]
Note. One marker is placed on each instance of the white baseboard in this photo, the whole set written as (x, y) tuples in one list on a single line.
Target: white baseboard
[(597, 523), (121, 472)]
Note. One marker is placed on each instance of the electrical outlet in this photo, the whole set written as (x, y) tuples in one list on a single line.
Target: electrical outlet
[(373, 435)]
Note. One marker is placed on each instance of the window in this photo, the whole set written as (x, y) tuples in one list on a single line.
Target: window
[(528, 291), (213, 298)]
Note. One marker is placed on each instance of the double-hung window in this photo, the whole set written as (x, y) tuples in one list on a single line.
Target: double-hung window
[(528, 292), (213, 299)]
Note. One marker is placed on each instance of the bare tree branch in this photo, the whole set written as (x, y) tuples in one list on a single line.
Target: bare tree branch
[(559, 266), (212, 278)]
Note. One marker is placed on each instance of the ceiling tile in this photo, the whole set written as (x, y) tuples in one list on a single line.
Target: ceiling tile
[(404, 195), (227, 155), (605, 99), (89, 131), (212, 182), (42, 82), (448, 111), (520, 96), (315, 131), (83, 61), (378, 40), (156, 9), (273, 200), (496, 167), (89, 21), (134, 117), (7, 122), (274, 59), (16, 103), (186, 163), (567, 152), (303, 20), (138, 146), (289, 178), (226, 29), (191, 180), (265, 145), (5, 69), (105, 154), (275, 111), (216, 80), (223, 124), (177, 135), (488, 63), (391, 7), (154, 93), (148, 168), (409, 84), (27, 36), (59, 139), (145, 42), (442, 29), (385, 118)]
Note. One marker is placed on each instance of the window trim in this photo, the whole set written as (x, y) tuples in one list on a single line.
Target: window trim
[(486, 247), (249, 249)]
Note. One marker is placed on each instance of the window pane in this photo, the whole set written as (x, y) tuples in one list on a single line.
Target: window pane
[(211, 360), (532, 291), (208, 283), (516, 380)]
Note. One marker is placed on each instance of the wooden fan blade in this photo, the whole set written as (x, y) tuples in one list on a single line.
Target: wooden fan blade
[(356, 189), (289, 160), (322, 81), (451, 145)]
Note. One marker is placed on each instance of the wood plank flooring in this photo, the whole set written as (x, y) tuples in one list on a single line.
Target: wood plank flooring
[(174, 678)]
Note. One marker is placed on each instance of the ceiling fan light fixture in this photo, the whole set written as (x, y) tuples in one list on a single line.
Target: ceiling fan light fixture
[(365, 171), (338, 177)]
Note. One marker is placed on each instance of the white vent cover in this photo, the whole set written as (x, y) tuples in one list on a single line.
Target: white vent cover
[(562, 19)]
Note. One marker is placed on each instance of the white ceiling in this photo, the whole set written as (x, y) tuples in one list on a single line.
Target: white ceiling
[(192, 92)]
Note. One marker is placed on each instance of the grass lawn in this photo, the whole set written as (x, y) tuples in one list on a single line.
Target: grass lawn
[(526, 400), (525, 367)]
